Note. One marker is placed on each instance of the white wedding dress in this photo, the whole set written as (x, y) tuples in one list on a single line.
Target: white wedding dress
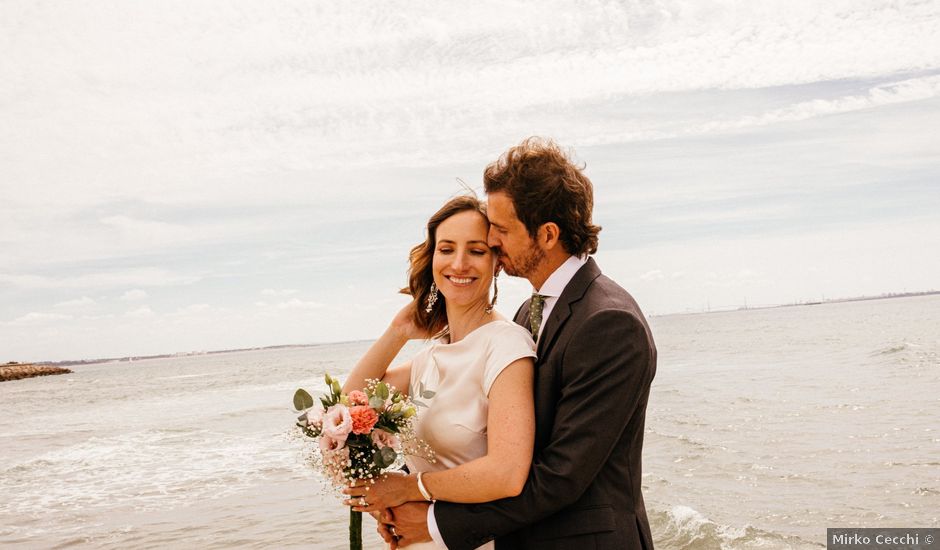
[(460, 375)]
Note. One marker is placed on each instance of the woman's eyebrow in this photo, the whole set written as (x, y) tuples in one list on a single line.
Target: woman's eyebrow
[(448, 241)]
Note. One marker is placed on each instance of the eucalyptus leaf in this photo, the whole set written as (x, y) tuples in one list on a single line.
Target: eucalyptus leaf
[(428, 394), (302, 400), (419, 403), (381, 390), (376, 402), (388, 456), (379, 460)]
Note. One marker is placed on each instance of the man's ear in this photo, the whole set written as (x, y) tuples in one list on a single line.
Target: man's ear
[(549, 235)]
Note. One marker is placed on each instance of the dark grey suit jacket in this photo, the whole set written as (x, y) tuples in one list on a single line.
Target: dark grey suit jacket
[(596, 360)]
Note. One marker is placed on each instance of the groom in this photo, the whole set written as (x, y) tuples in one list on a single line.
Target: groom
[(596, 360)]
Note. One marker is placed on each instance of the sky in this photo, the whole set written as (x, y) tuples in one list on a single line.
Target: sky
[(189, 176)]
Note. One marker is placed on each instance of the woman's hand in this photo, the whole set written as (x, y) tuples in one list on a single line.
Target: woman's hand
[(387, 492), (403, 324)]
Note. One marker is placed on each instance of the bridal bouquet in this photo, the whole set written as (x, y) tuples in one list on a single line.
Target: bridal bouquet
[(360, 435)]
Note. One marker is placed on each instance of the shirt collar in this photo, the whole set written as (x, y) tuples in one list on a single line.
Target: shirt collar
[(559, 279)]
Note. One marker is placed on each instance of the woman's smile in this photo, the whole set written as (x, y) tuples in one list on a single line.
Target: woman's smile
[(460, 281)]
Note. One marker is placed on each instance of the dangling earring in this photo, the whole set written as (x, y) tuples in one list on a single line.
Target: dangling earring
[(489, 308), (432, 298)]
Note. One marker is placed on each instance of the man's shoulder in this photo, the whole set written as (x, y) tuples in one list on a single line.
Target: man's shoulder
[(606, 294)]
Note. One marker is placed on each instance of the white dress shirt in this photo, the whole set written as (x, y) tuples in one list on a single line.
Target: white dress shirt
[(551, 289)]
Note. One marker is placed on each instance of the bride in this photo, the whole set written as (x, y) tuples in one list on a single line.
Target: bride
[(476, 378)]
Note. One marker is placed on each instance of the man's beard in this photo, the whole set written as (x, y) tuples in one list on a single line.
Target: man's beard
[(526, 263)]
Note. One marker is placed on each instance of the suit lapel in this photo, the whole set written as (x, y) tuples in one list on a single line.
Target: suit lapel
[(522, 315), (573, 292)]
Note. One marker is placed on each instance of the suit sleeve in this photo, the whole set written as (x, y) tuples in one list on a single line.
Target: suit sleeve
[(606, 370)]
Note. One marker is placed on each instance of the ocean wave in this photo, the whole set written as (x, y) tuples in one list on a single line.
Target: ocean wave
[(150, 469), (684, 528), (182, 376), (891, 350)]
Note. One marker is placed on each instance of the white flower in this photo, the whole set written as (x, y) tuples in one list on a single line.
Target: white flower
[(334, 462)]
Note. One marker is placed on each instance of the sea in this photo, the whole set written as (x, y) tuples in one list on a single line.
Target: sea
[(764, 427)]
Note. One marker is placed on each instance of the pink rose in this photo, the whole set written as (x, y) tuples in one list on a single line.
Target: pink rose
[(381, 438), (337, 423), (315, 417), (357, 397), (363, 418)]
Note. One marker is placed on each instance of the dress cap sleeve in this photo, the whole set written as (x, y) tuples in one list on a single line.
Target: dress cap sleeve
[(508, 343)]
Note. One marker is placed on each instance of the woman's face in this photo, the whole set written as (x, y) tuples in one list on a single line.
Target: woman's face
[(463, 263)]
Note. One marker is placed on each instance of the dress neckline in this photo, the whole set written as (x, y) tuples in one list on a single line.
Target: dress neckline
[(440, 341)]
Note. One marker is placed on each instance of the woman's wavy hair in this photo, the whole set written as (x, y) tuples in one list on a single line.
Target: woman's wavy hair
[(546, 186), (420, 273)]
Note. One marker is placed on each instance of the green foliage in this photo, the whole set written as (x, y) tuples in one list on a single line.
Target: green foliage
[(381, 390), (302, 400), (385, 457)]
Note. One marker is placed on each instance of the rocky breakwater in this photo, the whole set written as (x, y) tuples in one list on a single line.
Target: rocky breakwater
[(15, 371)]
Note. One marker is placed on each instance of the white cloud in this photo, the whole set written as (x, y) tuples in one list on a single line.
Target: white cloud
[(279, 292), (143, 276), (78, 302), (38, 318), (191, 309), (893, 93), (134, 295), (142, 312), (299, 304), (147, 232)]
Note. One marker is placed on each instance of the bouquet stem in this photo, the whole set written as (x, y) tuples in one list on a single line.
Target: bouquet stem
[(355, 530)]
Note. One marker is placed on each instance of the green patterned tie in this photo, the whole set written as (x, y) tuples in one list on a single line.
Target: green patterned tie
[(535, 314)]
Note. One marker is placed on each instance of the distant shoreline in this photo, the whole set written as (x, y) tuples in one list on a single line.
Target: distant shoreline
[(887, 296), (288, 346)]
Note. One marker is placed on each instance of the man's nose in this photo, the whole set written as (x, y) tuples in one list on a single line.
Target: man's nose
[(491, 239)]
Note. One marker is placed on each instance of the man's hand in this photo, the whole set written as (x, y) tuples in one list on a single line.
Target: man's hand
[(411, 522), (381, 519)]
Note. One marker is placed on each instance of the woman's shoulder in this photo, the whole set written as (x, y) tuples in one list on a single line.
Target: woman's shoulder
[(504, 333), (502, 326)]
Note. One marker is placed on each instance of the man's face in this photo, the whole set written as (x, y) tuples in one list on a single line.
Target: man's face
[(519, 254)]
